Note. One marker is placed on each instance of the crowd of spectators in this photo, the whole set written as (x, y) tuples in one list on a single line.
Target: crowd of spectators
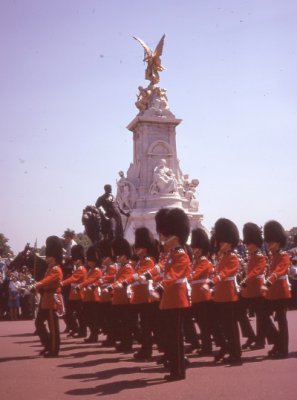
[(16, 300)]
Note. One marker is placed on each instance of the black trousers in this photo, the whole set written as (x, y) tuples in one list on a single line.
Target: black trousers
[(202, 313), (146, 313), (242, 316), (49, 335), (124, 321), (172, 322), (76, 317), (91, 311), (227, 319), (106, 321), (280, 335)]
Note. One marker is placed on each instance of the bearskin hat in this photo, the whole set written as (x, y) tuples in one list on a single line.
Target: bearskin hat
[(274, 232), (178, 224), (77, 252), (120, 247), (252, 234), (53, 248), (226, 231), (213, 244), (200, 240), (92, 254), (105, 248), (145, 239), (161, 223)]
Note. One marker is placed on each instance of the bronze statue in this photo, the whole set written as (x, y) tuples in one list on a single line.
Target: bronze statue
[(152, 58)]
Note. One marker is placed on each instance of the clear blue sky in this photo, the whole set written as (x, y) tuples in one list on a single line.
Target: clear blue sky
[(69, 74)]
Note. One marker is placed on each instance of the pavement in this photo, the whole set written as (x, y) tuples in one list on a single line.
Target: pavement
[(84, 371)]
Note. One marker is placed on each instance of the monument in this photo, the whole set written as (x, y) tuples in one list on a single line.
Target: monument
[(154, 179)]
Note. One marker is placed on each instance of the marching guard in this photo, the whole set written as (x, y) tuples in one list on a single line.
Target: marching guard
[(91, 299), (202, 304), (277, 286), (251, 293), (225, 293), (173, 228), (51, 299), (76, 321)]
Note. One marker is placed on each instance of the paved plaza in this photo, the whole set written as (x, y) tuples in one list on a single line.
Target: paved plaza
[(89, 370)]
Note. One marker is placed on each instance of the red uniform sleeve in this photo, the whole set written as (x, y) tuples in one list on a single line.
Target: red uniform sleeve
[(227, 267), (280, 267), (178, 269), (51, 280), (200, 268), (94, 276), (258, 268), (76, 277)]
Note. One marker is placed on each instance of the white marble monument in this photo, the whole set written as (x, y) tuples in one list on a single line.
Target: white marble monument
[(154, 179)]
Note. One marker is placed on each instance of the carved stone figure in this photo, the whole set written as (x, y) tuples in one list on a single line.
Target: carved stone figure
[(164, 181), (126, 193)]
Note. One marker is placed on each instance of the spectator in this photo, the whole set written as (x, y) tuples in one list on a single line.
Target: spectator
[(13, 297)]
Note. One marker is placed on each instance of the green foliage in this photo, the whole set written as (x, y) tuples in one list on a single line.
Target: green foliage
[(4, 247), (83, 240)]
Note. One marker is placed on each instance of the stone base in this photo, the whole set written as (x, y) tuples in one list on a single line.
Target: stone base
[(146, 217)]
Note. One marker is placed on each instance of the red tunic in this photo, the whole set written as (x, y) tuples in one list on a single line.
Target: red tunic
[(91, 293), (278, 270), (141, 291), (226, 270), (75, 279), (108, 278), (177, 268), (202, 269), (255, 276), (50, 285), (121, 295)]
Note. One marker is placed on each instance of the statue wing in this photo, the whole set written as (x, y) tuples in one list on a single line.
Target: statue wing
[(159, 49), (147, 51)]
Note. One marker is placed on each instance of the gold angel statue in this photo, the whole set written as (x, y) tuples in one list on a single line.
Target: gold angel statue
[(152, 58)]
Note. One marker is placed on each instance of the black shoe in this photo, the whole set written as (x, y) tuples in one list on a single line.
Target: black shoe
[(172, 378), (190, 349), (257, 346), (139, 355), (279, 356), (232, 360), (108, 343), (42, 352), (79, 335), (160, 360), (272, 352), (90, 340), (187, 362), (50, 354), (123, 348), (220, 355), (204, 353), (248, 344)]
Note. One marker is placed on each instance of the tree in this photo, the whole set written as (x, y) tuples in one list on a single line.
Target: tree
[(82, 239), (4, 247)]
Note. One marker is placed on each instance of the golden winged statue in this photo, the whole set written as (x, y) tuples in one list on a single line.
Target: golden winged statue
[(152, 58)]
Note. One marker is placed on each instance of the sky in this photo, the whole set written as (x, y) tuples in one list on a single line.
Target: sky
[(69, 75)]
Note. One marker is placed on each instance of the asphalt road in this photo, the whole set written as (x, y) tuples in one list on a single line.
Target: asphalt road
[(87, 370)]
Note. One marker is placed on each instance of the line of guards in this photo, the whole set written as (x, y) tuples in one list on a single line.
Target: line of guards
[(165, 292)]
